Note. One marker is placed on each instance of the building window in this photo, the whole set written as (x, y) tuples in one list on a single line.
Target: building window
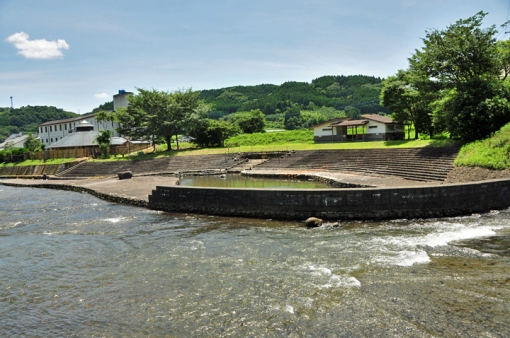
[(50, 129), (46, 140), (51, 138), (65, 126), (46, 130), (372, 127), (60, 127), (327, 129)]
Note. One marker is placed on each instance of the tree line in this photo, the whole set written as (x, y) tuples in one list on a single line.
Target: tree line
[(26, 119)]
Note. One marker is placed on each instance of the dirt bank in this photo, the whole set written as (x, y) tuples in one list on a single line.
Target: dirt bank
[(473, 174)]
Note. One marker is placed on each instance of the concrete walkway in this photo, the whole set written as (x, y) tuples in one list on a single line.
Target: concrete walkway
[(137, 188)]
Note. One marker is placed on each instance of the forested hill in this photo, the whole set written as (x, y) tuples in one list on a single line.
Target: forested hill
[(338, 92), (26, 119)]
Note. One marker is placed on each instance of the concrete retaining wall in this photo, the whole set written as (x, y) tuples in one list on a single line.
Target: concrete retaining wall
[(35, 170), (337, 204)]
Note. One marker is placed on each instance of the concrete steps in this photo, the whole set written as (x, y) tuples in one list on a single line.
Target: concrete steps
[(168, 165), (427, 164)]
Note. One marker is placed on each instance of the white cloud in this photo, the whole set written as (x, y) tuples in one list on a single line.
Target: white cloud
[(102, 96), (37, 49)]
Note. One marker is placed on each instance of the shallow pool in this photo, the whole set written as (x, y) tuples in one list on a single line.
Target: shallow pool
[(240, 181)]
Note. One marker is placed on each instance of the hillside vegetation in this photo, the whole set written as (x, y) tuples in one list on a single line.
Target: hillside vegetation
[(491, 153), (339, 92), (26, 119)]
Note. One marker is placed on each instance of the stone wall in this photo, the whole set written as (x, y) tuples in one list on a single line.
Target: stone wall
[(337, 204)]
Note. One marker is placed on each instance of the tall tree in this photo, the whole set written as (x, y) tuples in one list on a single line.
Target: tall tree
[(401, 95), (158, 115), (104, 140), (460, 74)]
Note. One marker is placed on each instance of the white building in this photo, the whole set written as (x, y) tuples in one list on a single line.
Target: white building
[(369, 128), (53, 131)]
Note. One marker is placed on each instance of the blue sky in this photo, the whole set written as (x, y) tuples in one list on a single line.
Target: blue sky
[(76, 54)]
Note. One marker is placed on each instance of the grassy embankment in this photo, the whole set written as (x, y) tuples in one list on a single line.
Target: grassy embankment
[(491, 153)]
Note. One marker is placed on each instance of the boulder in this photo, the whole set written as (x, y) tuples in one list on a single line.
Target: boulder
[(125, 175), (313, 222)]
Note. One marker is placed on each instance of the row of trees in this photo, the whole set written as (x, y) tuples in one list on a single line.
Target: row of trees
[(457, 83), (159, 116)]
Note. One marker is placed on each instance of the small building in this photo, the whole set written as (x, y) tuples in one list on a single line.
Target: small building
[(369, 128), (15, 141)]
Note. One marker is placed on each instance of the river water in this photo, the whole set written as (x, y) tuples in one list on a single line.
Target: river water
[(74, 265)]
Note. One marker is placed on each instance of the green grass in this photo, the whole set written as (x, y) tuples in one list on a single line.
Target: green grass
[(273, 138), (491, 153)]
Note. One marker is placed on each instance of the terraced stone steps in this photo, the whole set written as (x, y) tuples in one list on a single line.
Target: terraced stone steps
[(426, 164), (167, 165)]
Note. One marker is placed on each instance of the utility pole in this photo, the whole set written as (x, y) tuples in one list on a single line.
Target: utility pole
[(11, 104)]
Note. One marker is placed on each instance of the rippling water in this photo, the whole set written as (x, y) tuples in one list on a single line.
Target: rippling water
[(74, 265)]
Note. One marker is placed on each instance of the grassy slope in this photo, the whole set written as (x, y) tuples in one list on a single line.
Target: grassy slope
[(491, 153)]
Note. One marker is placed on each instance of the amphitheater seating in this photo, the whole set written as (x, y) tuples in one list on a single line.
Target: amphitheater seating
[(166, 165), (424, 164)]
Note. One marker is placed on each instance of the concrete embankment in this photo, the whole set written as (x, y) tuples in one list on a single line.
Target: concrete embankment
[(337, 204), (35, 170)]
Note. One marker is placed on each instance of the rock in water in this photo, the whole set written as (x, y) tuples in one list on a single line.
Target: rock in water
[(313, 222), (125, 175)]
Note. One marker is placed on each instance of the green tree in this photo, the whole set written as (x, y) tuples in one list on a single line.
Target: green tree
[(104, 140), (455, 83), (213, 133), (31, 143), (158, 115), (400, 94), (107, 116), (249, 122)]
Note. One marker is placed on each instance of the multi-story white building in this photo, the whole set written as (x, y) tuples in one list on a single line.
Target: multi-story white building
[(53, 131)]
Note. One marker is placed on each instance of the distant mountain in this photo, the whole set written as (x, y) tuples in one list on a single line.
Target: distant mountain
[(26, 119), (339, 92)]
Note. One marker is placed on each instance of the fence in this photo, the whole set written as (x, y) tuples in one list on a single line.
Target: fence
[(60, 153), (84, 152)]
